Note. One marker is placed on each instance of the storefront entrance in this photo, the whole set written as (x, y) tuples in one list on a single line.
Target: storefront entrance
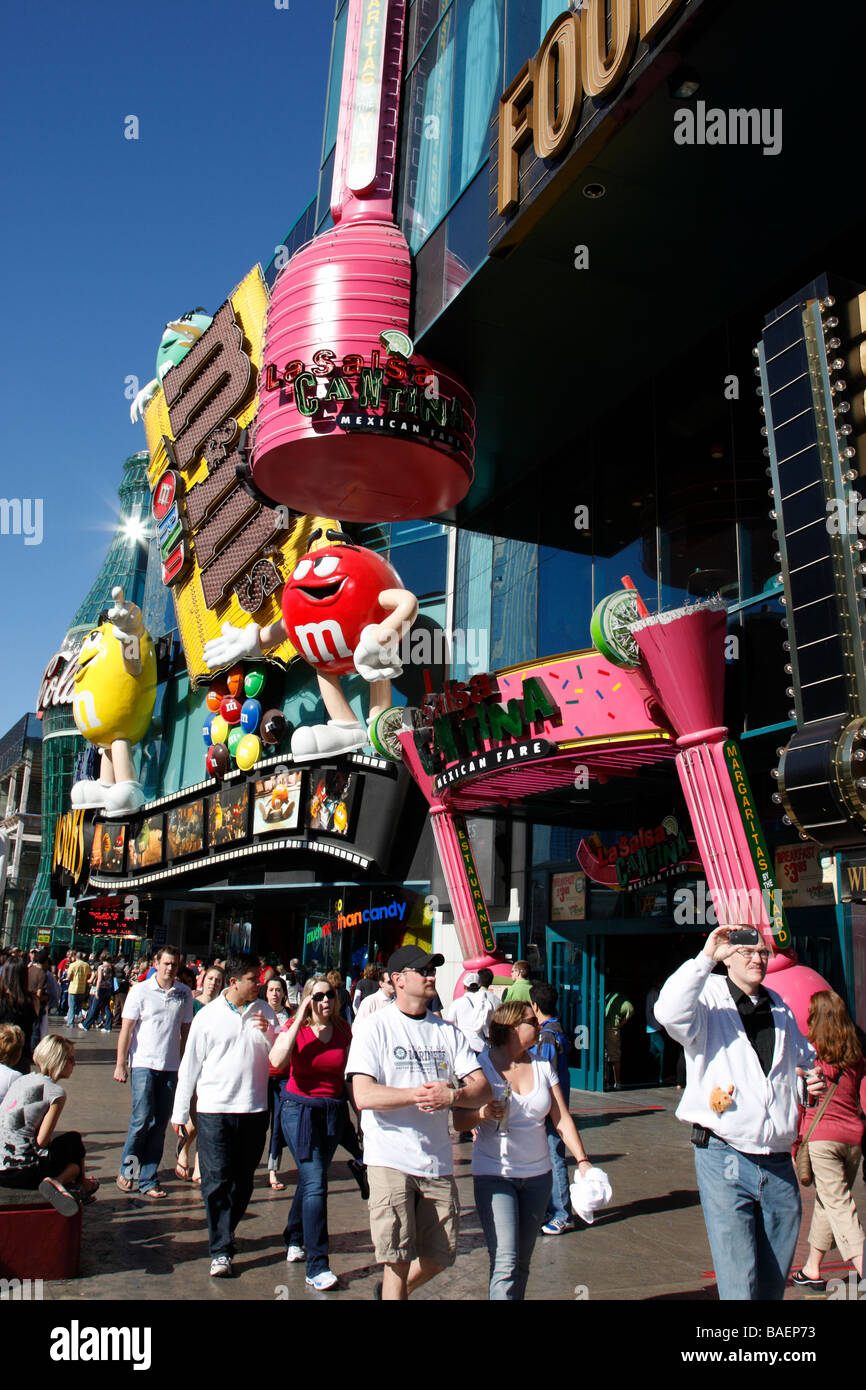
[(591, 962)]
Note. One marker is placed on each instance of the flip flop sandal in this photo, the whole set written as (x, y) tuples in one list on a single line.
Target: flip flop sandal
[(277, 1186), (183, 1171), (154, 1194), (125, 1184)]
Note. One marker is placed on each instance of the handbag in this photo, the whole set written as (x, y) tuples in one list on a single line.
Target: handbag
[(802, 1158)]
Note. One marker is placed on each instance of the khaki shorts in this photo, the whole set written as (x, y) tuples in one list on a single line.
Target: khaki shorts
[(413, 1218)]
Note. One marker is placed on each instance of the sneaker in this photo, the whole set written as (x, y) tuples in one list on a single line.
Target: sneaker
[(83, 1029), (221, 1267), (359, 1173), (295, 1254), (61, 1200), (555, 1227), (323, 1281)]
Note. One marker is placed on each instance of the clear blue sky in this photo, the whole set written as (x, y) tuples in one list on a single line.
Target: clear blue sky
[(103, 239)]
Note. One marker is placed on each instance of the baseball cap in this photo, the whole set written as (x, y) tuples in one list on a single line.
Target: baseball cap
[(473, 978), (409, 957)]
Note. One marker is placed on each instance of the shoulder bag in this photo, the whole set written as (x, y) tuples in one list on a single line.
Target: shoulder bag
[(802, 1159)]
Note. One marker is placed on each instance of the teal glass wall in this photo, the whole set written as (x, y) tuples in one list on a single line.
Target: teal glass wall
[(453, 81)]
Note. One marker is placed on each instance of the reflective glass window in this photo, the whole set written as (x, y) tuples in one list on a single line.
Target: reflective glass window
[(528, 22), (333, 112), (448, 102)]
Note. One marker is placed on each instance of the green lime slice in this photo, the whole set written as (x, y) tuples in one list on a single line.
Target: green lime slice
[(610, 628), (397, 341), (383, 733)]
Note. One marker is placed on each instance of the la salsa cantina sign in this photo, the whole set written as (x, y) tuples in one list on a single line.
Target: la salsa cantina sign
[(650, 855), (388, 394), (461, 725)]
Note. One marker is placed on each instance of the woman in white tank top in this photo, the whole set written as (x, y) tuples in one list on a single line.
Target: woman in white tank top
[(511, 1158)]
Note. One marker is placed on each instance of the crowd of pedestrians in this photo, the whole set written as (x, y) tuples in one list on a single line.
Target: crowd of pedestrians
[(240, 1056)]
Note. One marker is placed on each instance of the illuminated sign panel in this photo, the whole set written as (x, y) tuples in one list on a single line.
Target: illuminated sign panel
[(367, 105)]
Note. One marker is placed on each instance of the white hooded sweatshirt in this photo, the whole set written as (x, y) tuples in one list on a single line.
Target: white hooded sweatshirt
[(698, 1010)]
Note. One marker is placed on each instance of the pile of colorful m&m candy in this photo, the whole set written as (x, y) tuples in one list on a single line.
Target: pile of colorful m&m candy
[(235, 729)]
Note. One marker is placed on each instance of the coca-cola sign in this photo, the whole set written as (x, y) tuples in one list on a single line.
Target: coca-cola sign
[(58, 680)]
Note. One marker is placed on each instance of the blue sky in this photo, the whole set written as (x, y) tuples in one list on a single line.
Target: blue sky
[(103, 239)]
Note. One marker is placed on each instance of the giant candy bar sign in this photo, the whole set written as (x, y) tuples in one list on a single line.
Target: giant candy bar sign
[(225, 554)]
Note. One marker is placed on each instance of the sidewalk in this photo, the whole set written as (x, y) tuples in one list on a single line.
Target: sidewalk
[(649, 1245)]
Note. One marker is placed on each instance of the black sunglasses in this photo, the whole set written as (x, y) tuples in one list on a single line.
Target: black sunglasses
[(328, 994)]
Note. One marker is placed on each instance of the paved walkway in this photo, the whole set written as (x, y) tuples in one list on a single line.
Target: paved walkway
[(650, 1244)]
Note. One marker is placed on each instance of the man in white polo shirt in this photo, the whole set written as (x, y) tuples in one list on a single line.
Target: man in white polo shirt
[(226, 1063), (155, 1022), (409, 1068)]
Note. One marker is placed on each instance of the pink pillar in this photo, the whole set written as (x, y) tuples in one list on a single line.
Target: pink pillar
[(683, 656), (465, 894)]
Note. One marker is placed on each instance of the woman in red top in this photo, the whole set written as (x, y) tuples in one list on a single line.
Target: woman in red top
[(835, 1147), (314, 1111)]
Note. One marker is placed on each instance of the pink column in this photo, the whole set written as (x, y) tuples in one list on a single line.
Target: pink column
[(683, 656), (465, 894)]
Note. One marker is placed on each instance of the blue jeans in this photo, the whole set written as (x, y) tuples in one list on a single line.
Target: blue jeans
[(229, 1150), (308, 1216), (152, 1099), (751, 1205), (559, 1206), (278, 1143), (511, 1212), (76, 1004), (99, 1004)]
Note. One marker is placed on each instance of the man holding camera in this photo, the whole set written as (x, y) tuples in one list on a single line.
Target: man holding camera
[(744, 1053)]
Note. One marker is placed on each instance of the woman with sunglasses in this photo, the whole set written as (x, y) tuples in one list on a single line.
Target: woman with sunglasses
[(315, 1045), (511, 1166)]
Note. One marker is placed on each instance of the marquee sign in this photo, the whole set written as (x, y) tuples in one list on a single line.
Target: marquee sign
[(225, 554), (70, 860)]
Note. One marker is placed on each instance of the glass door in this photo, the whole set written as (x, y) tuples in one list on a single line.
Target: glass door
[(575, 966)]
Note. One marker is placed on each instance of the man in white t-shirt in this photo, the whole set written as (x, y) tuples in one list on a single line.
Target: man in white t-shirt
[(154, 1026), (373, 1002), (472, 1012), (409, 1068)]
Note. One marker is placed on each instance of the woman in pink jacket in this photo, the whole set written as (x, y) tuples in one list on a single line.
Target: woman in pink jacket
[(835, 1147)]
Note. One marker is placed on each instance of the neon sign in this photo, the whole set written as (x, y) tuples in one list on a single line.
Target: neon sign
[(396, 395), (367, 105), (468, 716)]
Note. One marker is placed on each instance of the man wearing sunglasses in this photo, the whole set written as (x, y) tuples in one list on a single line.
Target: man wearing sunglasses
[(409, 1068), (744, 1053)]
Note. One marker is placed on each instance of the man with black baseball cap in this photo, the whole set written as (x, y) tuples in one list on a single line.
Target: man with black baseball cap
[(409, 1068)]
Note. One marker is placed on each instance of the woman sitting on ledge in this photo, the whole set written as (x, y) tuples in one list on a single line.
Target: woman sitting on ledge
[(30, 1156)]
